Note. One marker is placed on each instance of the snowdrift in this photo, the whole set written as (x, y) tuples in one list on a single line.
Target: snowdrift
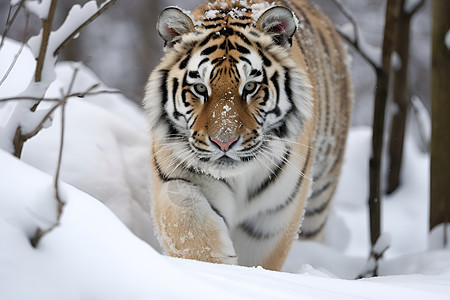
[(104, 247)]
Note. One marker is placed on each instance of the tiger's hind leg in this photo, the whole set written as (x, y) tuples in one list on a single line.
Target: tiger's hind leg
[(188, 225)]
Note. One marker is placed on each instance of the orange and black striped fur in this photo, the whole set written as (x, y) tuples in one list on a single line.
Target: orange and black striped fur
[(248, 111)]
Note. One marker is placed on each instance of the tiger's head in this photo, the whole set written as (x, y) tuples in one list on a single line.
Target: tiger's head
[(227, 92)]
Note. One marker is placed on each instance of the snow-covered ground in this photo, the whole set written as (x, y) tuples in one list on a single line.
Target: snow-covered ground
[(106, 249)]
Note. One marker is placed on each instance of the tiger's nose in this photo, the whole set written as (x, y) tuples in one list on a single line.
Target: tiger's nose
[(224, 146)]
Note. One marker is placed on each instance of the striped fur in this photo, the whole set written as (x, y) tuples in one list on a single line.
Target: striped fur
[(248, 122)]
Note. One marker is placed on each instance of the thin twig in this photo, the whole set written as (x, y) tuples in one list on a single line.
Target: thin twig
[(58, 167), (7, 26), (64, 99), (355, 42), (344, 10), (10, 21), (61, 145), (39, 232), (16, 56), (82, 95), (358, 49), (20, 139), (103, 7), (78, 95), (41, 124)]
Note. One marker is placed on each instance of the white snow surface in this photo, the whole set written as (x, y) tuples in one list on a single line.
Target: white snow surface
[(104, 247)]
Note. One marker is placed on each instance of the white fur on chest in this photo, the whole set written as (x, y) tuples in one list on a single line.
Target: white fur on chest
[(231, 196)]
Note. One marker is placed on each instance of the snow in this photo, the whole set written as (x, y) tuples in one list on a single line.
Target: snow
[(14, 2), (104, 247), (257, 10), (447, 39), (396, 61), (20, 74), (38, 7), (77, 15), (409, 5), (211, 14), (422, 121)]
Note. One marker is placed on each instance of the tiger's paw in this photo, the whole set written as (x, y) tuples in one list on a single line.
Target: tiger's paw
[(188, 227), (208, 243)]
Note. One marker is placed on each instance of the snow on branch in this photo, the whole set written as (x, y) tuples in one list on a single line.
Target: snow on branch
[(410, 7), (47, 22), (46, 48), (105, 5), (25, 118), (382, 244)]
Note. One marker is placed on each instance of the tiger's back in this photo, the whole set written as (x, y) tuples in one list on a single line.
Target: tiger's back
[(248, 121), (327, 65)]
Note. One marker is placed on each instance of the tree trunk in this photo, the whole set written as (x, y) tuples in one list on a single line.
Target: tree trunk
[(440, 114), (401, 100), (381, 91), (146, 53)]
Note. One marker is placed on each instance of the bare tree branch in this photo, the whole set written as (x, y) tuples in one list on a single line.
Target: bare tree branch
[(39, 232), (16, 56), (358, 49), (344, 10), (78, 95), (10, 21), (46, 29), (355, 42), (20, 139), (86, 23), (63, 123)]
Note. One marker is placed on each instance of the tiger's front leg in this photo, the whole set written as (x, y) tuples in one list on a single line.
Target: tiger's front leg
[(188, 226)]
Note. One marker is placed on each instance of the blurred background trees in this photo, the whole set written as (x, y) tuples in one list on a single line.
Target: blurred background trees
[(123, 46), (440, 98)]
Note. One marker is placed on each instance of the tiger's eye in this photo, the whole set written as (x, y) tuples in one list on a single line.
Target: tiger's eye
[(200, 88), (250, 86)]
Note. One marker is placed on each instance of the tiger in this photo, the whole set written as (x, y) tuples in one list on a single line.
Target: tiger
[(248, 113)]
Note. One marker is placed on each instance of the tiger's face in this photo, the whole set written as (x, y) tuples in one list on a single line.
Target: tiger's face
[(227, 93)]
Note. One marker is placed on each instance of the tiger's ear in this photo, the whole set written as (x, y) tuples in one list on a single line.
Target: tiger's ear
[(279, 22), (173, 22)]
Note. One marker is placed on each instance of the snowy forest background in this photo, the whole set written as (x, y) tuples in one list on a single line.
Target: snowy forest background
[(126, 35), (90, 254)]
